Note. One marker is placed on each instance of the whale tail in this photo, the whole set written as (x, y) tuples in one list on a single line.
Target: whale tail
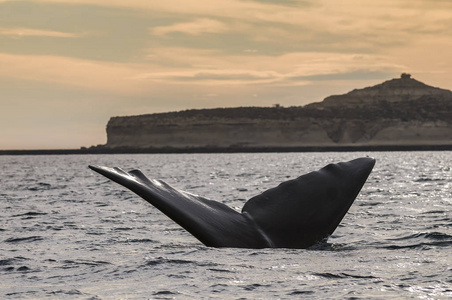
[(300, 212), (296, 214), (213, 223)]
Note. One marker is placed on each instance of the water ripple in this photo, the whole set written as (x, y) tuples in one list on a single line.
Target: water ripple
[(69, 233), (27, 239)]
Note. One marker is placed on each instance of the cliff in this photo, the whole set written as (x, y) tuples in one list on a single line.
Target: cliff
[(400, 111)]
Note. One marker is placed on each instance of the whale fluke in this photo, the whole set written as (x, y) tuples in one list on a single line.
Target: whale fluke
[(296, 214)]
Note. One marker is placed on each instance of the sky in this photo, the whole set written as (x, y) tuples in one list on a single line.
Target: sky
[(67, 66)]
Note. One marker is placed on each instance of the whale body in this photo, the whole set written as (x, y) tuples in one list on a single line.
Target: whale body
[(296, 214)]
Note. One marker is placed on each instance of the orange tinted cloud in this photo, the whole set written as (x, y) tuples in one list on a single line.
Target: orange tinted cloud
[(105, 76), (20, 32), (188, 66), (197, 27)]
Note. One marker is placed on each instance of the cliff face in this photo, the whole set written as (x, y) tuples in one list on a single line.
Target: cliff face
[(235, 127), (397, 112)]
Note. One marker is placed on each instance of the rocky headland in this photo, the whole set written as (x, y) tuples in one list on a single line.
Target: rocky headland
[(398, 112)]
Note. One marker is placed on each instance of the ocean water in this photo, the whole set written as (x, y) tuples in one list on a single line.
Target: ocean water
[(69, 233)]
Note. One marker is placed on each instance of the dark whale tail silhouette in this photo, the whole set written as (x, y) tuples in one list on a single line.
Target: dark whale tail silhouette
[(296, 214)]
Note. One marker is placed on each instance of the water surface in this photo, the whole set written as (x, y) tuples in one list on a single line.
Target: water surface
[(69, 233)]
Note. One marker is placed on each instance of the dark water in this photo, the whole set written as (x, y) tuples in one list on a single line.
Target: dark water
[(68, 233)]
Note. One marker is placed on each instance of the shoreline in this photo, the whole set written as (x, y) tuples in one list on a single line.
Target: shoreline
[(169, 150)]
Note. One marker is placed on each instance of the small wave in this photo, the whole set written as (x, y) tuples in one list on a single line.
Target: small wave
[(426, 235), (161, 260), (123, 228), (24, 239), (95, 233), (298, 292), (218, 288), (164, 293), (398, 247), (343, 275), (421, 240), (166, 261), (23, 294), (12, 261), (11, 264), (251, 287), (86, 262), (326, 246), (40, 186), (30, 214), (192, 187), (23, 269), (68, 292), (434, 212), (425, 179), (220, 270), (446, 221), (44, 186), (139, 241), (368, 203)]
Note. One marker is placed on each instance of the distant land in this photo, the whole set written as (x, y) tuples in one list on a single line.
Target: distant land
[(398, 114), (401, 112)]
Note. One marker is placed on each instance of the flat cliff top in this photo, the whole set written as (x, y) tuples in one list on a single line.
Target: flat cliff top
[(233, 113), (399, 98)]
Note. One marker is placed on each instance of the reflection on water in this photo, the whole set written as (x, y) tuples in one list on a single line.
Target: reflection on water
[(66, 232)]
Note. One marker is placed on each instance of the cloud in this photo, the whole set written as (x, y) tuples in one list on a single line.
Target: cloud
[(102, 76), (197, 27), (343, 14), (22, 32), (185, 67), (296, 68), (215, 77), (279, 26), (291, 44)]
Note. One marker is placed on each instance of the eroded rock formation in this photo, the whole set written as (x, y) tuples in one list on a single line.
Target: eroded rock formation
[(400, 111)]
